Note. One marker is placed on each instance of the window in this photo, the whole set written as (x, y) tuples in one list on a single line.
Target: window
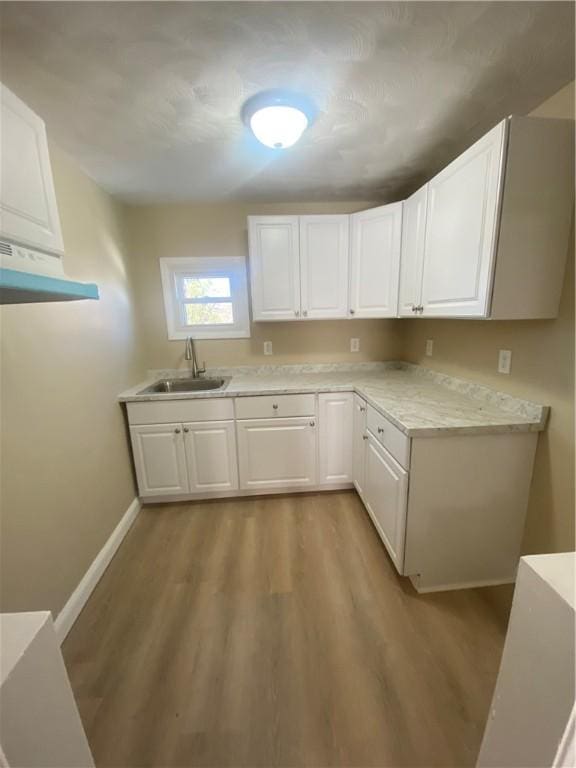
[(205, 298)]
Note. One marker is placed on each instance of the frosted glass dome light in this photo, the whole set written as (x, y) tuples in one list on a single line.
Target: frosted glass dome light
[(278, 118)]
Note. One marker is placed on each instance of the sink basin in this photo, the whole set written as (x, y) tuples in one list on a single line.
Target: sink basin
[(165, 386)]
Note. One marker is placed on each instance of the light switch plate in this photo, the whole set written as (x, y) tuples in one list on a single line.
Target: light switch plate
[(354, 345), (504, 360), (267, 347), (429, 347)]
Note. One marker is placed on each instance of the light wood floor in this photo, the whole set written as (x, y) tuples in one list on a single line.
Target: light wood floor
[(276, 632)]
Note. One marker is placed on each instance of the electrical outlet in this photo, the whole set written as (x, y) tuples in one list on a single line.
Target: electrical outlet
[(504, 361), (267, 347), (429, 347), (354, 345)]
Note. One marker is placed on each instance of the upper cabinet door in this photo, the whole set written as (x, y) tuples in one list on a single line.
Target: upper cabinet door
[(324, 249), (274, 267), (461, 230), (375, 261), (28, 210), (412, 259)]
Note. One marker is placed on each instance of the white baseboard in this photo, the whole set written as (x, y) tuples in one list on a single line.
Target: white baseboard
[(459, 585), (78, 599)]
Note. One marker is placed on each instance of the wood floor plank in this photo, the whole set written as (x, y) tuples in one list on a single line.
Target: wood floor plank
[(276, 632)]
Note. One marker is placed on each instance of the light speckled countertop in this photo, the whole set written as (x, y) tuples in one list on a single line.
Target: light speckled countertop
[(420, 402)]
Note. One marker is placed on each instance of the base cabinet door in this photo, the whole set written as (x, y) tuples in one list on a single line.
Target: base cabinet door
[(277, 453), (359, 439), (386, 497), (159, 459), (211, 456), (335, 419)]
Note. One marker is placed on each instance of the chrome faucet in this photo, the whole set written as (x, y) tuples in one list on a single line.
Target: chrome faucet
[(190, 354)]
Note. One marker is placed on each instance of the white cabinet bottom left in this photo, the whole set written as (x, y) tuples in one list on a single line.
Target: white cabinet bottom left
[(160, 459), (179, 459)]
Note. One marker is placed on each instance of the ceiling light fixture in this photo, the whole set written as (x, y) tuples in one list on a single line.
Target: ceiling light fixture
[(278, 118)]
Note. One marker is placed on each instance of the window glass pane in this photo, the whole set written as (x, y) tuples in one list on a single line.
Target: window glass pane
[(205, 287), (217, 313)]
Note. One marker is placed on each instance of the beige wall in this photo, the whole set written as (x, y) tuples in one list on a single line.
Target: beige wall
[(66, 475), (542, 370), (220, 230)]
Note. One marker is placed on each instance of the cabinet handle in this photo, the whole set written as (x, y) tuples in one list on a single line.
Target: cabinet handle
[(305, 313), (297, 312), (186, 429), (275, 406), (177, 431), (312, 423), (380, 430), (364, 437), (352, 311), (420, 309), (414, 308), (362, 409)]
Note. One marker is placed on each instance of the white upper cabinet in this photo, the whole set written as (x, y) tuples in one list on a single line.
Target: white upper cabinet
[(274, 267), (412, 258), (28, 209), (375, 261), (497, 222), (461, 230), (324, 246)]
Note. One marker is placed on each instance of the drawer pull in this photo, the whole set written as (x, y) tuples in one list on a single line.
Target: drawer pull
[(380, 430)]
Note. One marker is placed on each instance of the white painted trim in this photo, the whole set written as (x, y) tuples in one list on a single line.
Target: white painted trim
[(240, 494), (78, 599), (459, 585)]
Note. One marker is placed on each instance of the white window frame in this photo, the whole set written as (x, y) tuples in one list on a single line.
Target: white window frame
[(232, 267)]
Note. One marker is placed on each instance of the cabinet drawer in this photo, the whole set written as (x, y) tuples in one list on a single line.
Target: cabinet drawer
[(269, 406), (165, 411), (390, 437)]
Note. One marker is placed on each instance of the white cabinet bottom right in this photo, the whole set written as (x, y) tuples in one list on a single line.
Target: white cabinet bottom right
[(385, 496)]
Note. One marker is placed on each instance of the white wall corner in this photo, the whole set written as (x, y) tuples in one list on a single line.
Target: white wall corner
[(78, 599)]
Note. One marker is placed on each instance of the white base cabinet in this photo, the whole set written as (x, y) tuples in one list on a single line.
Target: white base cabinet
[(277, 453), (335, 446), (450, 510), (159, 459), (385, 497), (211, 456), (178, 459), (359, 437)]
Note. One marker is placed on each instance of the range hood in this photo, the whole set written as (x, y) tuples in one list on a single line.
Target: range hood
[(30, 276)]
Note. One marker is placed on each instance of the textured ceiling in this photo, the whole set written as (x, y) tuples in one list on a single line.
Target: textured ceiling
[(147, 96)]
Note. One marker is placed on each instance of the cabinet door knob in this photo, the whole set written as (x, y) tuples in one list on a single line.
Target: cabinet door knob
[(297, 312), (275, 406), (305, 313), (380, 430), (414, 308), (352, 311), (364, 437), (177, 431), (186, 429), (362, 409), (312, 423)]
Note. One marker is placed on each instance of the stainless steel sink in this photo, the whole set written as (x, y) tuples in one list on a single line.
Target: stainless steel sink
[(165, 386)]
